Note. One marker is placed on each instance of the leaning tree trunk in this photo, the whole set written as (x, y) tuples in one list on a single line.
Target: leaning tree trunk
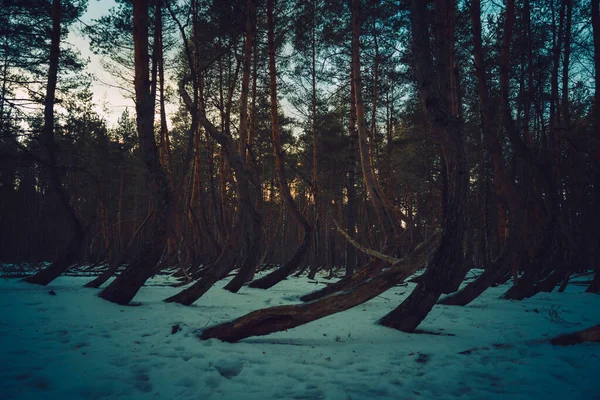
[(547, 253), (252, 259), (292, 264), (388, 222), (70, 254), (254, 230), (143, 265), (350, 183), (114, 264), (275, 319), (446, 264), (248, 220), (513, 248), (246, 214), (587, 335), (539, 269), (370, 270), (214, 272), (501, 266)]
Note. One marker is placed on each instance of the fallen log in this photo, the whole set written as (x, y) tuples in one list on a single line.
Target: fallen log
[(588, 335), (275, 319)]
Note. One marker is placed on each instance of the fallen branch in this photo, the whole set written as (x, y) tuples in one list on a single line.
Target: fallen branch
[(366, 250), (275, 319), (588, 335)]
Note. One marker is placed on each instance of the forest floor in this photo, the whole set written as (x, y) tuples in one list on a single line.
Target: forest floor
[(74, 345)]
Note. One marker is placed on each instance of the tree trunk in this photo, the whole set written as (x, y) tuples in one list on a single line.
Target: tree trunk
[(389, 225), (446, 265), (386, 220), (70, 254), (247, 216), (127, 284), (254, 226), (350, 185), (587, 335), (316, 258), (595, 285), (252, 259), (538, 269), (292, 264), (274, 319), (373, 129), (514, 246), (217, 270), (492, 273), (116, 262)]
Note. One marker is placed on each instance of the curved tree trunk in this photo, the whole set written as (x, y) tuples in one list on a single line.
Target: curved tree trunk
[(288, 268), (248, 220), (498, 268), (144, 263), (114, 264), (385, 216), (252, 259), (513, 249), (292, 264), (373, 268), (113, 267), (70, 254), (539, 269), (446, 265), (254, 223), (587, 335), (214, 272), (274, 319)]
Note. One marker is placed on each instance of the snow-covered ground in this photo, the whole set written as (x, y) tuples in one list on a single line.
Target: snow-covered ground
[(74, 345)]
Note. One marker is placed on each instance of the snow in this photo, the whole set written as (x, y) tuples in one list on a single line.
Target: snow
[(74, 345)]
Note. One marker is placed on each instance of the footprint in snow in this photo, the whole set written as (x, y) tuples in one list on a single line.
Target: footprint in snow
[(228, 368), (142, 383)]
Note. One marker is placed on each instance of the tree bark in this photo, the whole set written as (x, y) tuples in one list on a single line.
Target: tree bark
[(373, 129), (446, 265), (215, 271), (254, 231), (350, 185), (292, 264), (274, 319), (70, 254), (116, 262), (385, 217), (512, 250), (587, 335), (492, 274), (127, 284), (595, 285), (316, 259), (387, 221), (247, 217)]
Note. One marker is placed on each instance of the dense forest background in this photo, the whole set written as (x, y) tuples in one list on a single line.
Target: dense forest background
[(306, 136)]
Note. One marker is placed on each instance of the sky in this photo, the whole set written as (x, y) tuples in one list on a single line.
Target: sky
[(110, 101)]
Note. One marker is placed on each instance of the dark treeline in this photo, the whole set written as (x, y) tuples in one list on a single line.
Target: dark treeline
[(363, 139)]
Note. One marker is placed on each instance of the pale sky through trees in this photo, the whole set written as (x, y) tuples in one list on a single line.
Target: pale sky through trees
[(110, 101)]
